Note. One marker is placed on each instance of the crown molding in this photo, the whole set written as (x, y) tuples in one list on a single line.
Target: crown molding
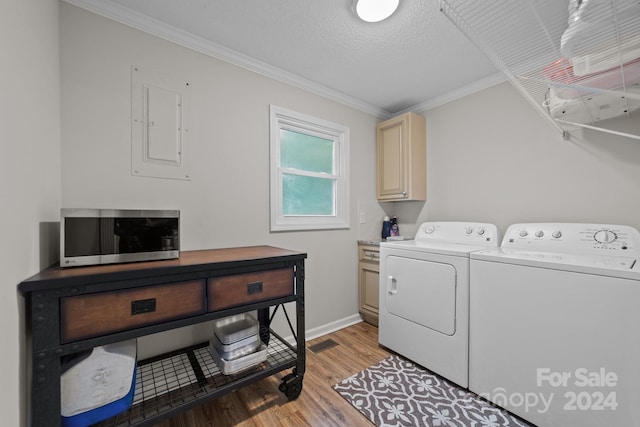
[(167, 32), (477, 86)]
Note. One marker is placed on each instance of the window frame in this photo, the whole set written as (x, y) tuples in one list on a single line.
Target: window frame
[(281, 118)]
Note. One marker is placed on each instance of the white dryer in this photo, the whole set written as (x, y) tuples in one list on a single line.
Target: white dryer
[(554, 317), (424, 295)]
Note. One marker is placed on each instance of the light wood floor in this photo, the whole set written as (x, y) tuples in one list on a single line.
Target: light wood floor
[(263, 405)]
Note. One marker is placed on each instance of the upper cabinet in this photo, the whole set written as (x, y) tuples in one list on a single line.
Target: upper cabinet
[(401, 154)]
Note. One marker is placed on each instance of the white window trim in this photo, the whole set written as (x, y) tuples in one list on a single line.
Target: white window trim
[(281, 118)]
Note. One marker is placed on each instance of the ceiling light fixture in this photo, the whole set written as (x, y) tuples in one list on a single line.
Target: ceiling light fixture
[(375, 10)]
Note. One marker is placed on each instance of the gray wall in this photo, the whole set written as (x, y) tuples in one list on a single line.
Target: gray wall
[(226, 203), (30, 175), (492, 158)]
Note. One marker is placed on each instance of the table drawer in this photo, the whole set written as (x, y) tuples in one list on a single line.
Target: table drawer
[(92, 315), (238, 289)]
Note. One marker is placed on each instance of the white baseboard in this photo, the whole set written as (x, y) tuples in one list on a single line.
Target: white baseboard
[(326, 329), (332, 326)]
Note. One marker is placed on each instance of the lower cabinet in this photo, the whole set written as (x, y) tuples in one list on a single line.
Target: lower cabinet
[(368, 277)]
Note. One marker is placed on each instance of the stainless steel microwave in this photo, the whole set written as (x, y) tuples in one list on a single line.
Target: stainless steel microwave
[(108, 236)]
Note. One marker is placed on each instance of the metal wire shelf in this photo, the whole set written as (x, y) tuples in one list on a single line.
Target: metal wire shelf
[(527, 41), (172, 380)]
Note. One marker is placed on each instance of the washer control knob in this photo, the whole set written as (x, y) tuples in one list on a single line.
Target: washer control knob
[(523, 233), (469, 230), (605, 236), (480, 231), (539, 233), (557, 234), (429, 229)]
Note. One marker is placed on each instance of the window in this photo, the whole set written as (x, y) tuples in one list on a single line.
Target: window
[(309, 172)]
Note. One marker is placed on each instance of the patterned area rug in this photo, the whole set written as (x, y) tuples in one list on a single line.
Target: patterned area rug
[(395, 392)]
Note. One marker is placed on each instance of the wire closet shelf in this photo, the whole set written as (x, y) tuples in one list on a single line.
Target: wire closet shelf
[(576, 61)]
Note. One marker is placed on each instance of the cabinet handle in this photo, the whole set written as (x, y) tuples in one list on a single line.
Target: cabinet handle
[(143, 306), (254, 288), (370, 254)]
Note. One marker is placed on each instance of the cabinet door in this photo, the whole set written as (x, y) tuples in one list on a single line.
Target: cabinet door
[(368, 278), (391, 147), (402, 158)]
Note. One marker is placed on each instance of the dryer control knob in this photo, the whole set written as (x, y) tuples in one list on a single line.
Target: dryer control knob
[(605, 236), (469, 230), (480, 231), (429, 229), (523, 233), (539, 233), (557, 234)]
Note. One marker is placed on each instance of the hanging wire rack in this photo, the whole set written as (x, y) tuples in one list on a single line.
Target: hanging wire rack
[(576, 61)]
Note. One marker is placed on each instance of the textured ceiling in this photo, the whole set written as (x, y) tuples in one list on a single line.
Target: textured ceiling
[(406, 62)]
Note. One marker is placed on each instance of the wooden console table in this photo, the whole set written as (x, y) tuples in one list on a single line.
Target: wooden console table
[(69, 310)]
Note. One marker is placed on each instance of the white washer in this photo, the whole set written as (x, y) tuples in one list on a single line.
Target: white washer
[(554, 317), (424, 295)]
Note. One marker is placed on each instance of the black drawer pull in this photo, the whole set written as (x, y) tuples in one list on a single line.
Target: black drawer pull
[(143, 306), (254, 288)]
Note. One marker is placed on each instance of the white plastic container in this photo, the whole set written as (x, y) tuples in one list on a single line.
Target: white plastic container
[(237, 349), (235, 328), (562, 72), (98, 386), (593, 107), (228, 367), (607, 57), (590, 24), (236, 345)]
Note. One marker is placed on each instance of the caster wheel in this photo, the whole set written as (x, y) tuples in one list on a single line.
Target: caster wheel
[(291, 386)]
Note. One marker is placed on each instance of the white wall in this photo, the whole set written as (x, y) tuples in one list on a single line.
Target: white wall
[(227, 201), (492, 158), (30, 175)]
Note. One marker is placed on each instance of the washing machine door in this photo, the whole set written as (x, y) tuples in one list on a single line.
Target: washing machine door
[(422, 292)]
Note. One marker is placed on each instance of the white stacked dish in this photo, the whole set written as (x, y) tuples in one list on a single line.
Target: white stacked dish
[(235, 344)]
